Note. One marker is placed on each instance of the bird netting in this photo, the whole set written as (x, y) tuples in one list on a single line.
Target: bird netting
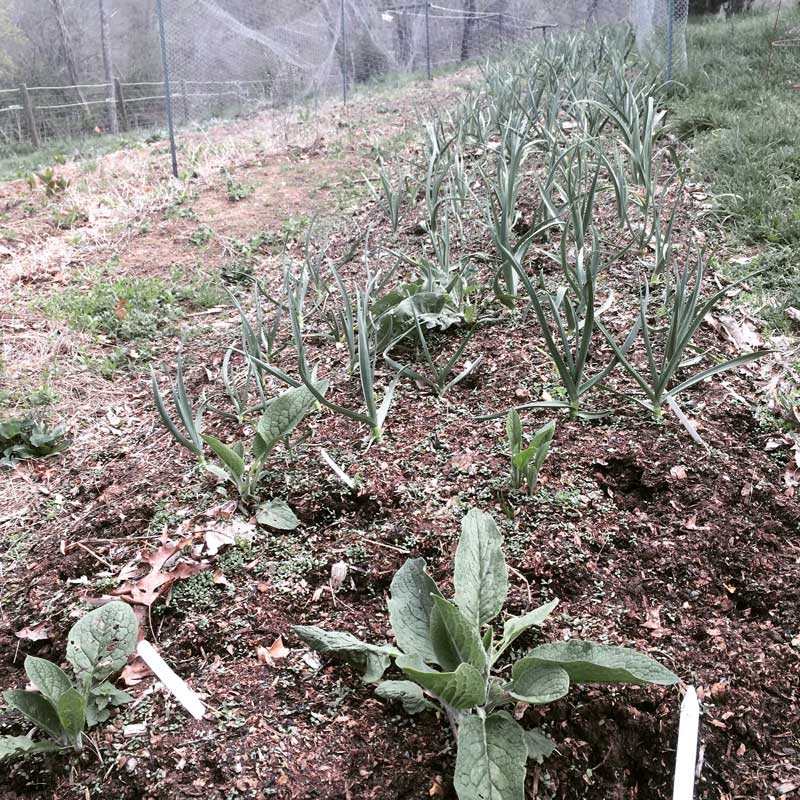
[(660, 28)]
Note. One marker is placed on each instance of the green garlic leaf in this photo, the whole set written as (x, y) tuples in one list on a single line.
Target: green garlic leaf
[(227, 455), (410, 607), (589, 662), (455, 640), (407, 692), (100, 642), (537, 683), (371, 660), (462, 689), (37, 709), (492, 757), (481, 575), (48, 678)]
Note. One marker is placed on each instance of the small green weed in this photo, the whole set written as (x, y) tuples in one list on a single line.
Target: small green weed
[(236, 190), (201, 236), (124, 309), (26, 438)]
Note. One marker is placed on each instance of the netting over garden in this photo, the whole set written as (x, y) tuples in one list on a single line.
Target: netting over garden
[(228, 57)]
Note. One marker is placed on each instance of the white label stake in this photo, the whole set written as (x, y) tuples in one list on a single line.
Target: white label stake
[(175, 684), (686, 757)]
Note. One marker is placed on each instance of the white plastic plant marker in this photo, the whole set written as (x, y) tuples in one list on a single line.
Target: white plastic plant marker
[(175, 684), (686, 756)]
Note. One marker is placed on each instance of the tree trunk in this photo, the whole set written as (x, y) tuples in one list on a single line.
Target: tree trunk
[(66, 47), (108, 67)]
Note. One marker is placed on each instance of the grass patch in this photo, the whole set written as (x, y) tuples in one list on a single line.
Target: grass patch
[(742, 123), (127, 309), (21, 159)]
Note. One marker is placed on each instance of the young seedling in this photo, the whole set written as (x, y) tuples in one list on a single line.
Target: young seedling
[(526, 462), (665, 347), (283, 414), (61, 707), (449, 654)]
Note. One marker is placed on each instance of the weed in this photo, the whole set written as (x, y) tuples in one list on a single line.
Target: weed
[(236, 190), (202, 235), (71, 217), (26, 438), (125, 309)]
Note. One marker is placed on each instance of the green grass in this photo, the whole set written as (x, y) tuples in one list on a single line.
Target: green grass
[(126, 309), (742, 123), (19, 160)]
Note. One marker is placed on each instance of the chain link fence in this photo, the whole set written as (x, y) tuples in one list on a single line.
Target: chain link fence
[(226, 58), (660, 28)]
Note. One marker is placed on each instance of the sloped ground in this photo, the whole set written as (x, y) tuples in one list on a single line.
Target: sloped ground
[(649, 541)]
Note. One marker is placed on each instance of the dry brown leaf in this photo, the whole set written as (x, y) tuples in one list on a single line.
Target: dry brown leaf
[(135, 672), (269, 655), (219, 578), (34, 633), (678, 472), (158, 580)]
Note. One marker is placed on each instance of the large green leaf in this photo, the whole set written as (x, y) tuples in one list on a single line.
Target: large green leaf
[(100, 642), (371, 660), (454, 638), (48, 678), (514, 627), (277, 514), (407, 692), (410, 607), (283, 415), (464, 688), (537, 683), (72, 714), (589, 662), (540, 746), (492, 758), (24, 745), (481, 575), (37, 709)]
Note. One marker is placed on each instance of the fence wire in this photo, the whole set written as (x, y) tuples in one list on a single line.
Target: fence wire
[(230, 57)]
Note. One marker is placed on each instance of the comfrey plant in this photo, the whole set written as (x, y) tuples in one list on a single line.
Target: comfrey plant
[(449, 652), (282, 414), (61, 707)]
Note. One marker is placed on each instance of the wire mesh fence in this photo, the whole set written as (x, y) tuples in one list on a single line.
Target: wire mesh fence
[(229, 57)]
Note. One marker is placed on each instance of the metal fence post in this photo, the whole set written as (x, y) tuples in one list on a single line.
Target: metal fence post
[(30, 120), (428, 36), (344, 52), (167, 90), (670, 38)]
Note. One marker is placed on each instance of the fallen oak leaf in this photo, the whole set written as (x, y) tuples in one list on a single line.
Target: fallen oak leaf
[(34, 633), (269, 655), (135, 671), (160, 578)]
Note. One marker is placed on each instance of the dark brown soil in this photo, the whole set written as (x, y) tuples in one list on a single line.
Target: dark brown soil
[(649, 540)]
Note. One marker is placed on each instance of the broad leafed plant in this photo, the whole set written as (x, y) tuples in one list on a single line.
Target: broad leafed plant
[(450, 653), (61, 707)]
